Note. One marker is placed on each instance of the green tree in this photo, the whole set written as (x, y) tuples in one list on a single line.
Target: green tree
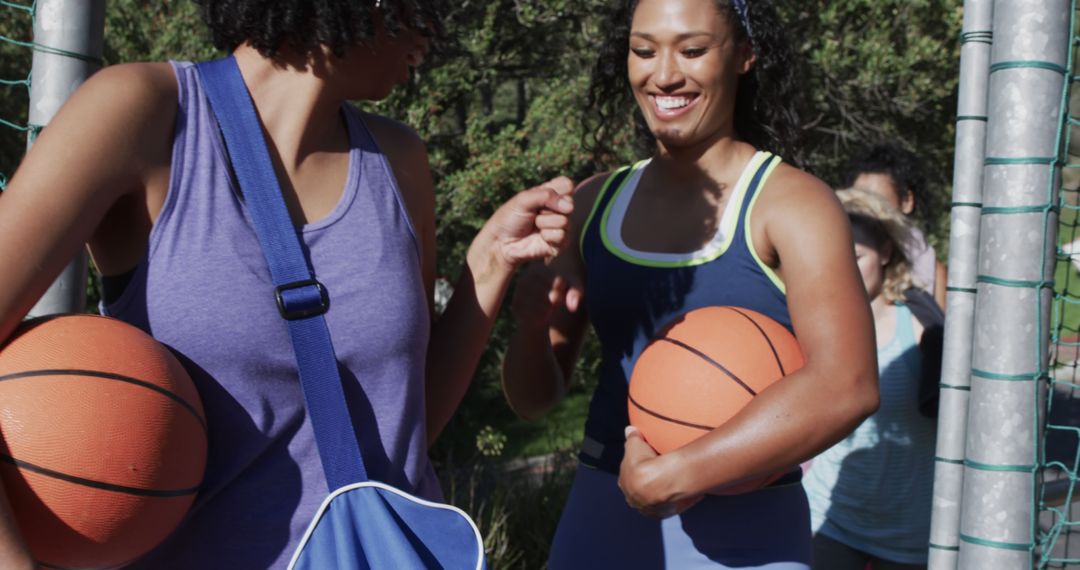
[(880, 70), (155, 31)]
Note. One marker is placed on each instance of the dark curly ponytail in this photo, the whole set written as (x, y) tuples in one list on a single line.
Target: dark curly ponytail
[(766, 113), (308, 24)]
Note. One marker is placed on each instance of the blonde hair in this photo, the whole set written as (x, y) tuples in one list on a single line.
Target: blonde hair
[(886, 225)]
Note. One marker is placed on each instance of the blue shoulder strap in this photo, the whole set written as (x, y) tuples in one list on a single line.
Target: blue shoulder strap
[(301, 299)]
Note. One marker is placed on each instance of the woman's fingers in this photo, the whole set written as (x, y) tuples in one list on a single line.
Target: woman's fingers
[(634, 480), (554, 237), (553, 196), (556, 291), (540, 290), (561, 187), (550, 221)]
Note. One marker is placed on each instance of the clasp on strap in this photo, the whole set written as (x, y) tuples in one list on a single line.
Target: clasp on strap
[(294, 304)]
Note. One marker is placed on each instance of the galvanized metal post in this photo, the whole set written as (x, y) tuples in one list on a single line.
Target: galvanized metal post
[(63, 28), (1018, 234), (976, 42)]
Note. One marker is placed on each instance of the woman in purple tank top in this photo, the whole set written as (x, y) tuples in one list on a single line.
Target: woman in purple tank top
[(145, 182)]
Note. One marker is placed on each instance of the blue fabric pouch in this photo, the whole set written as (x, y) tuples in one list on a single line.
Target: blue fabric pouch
[(372, 525)]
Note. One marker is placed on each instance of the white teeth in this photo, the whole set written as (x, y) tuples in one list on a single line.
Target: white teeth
[(668, 103)]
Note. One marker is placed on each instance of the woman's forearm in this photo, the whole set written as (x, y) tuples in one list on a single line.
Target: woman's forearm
[(460, 334), (530, 226), (13, 551), (779, 429), (532, 379)]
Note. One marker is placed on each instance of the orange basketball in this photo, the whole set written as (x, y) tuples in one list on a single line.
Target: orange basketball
[(102, 440), (702, 369)]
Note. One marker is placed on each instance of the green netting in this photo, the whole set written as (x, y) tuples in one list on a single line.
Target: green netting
[(1058, 522), (16, 55)]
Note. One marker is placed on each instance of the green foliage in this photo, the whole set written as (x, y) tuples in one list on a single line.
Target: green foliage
[(155, 31), (516, 506), (134, 31), (880, 70), (490, 442)]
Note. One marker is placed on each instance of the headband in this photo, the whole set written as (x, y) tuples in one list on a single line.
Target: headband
[(744, 17)]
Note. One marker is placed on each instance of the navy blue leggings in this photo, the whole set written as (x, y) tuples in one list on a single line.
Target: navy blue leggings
[(767, 529)]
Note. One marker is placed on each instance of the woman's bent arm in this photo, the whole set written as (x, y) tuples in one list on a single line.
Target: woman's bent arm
[(550, 321), (539, 362), (103, 143), (531, 225), (811, 409)]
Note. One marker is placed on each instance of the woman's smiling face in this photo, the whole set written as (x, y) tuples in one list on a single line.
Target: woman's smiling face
[(684, 64)]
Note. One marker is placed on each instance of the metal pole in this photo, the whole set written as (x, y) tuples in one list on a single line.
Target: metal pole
[(1018, 236), (69, 37), (975, 46)]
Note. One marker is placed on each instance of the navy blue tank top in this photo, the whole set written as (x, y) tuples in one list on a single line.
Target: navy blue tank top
[(633, 294)]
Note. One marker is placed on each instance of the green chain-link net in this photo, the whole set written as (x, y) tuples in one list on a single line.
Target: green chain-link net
[(1058, 525), (16, 54)]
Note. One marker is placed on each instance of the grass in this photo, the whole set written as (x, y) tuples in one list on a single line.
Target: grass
[(515, 504), (560, 430), (516, 512)]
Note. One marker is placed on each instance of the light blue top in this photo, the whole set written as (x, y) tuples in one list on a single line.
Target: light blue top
[(872, 491)]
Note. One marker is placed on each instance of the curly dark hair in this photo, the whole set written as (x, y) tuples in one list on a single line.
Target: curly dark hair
[(900, 164), (766, 104), (308, 24)]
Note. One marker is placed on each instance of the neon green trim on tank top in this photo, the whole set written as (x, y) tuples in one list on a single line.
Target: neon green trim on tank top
[(746, 178), (779, 283), (600, 198)]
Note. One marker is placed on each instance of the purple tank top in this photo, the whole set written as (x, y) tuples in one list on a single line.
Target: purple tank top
[(204, 290)]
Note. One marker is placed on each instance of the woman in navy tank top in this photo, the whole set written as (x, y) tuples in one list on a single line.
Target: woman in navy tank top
[(712, 218), (134, 165)]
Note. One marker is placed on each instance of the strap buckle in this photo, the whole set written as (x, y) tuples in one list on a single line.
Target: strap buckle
[(301, 305)]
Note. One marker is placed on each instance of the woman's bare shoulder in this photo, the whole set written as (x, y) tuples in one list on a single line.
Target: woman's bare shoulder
[(793, 196), (407, 155), (395, 138), (792, 185), (586, 193), (139, 87), (130, 106), (405, 151), (123, 118)]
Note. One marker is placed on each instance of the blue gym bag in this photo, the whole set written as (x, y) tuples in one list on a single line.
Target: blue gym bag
[(363, 523)]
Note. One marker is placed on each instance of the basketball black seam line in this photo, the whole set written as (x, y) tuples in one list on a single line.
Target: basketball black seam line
[(97, 484), (56, 567), (53, 566), (772, 347), (667, 419), (109, 376), (706, 358)]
